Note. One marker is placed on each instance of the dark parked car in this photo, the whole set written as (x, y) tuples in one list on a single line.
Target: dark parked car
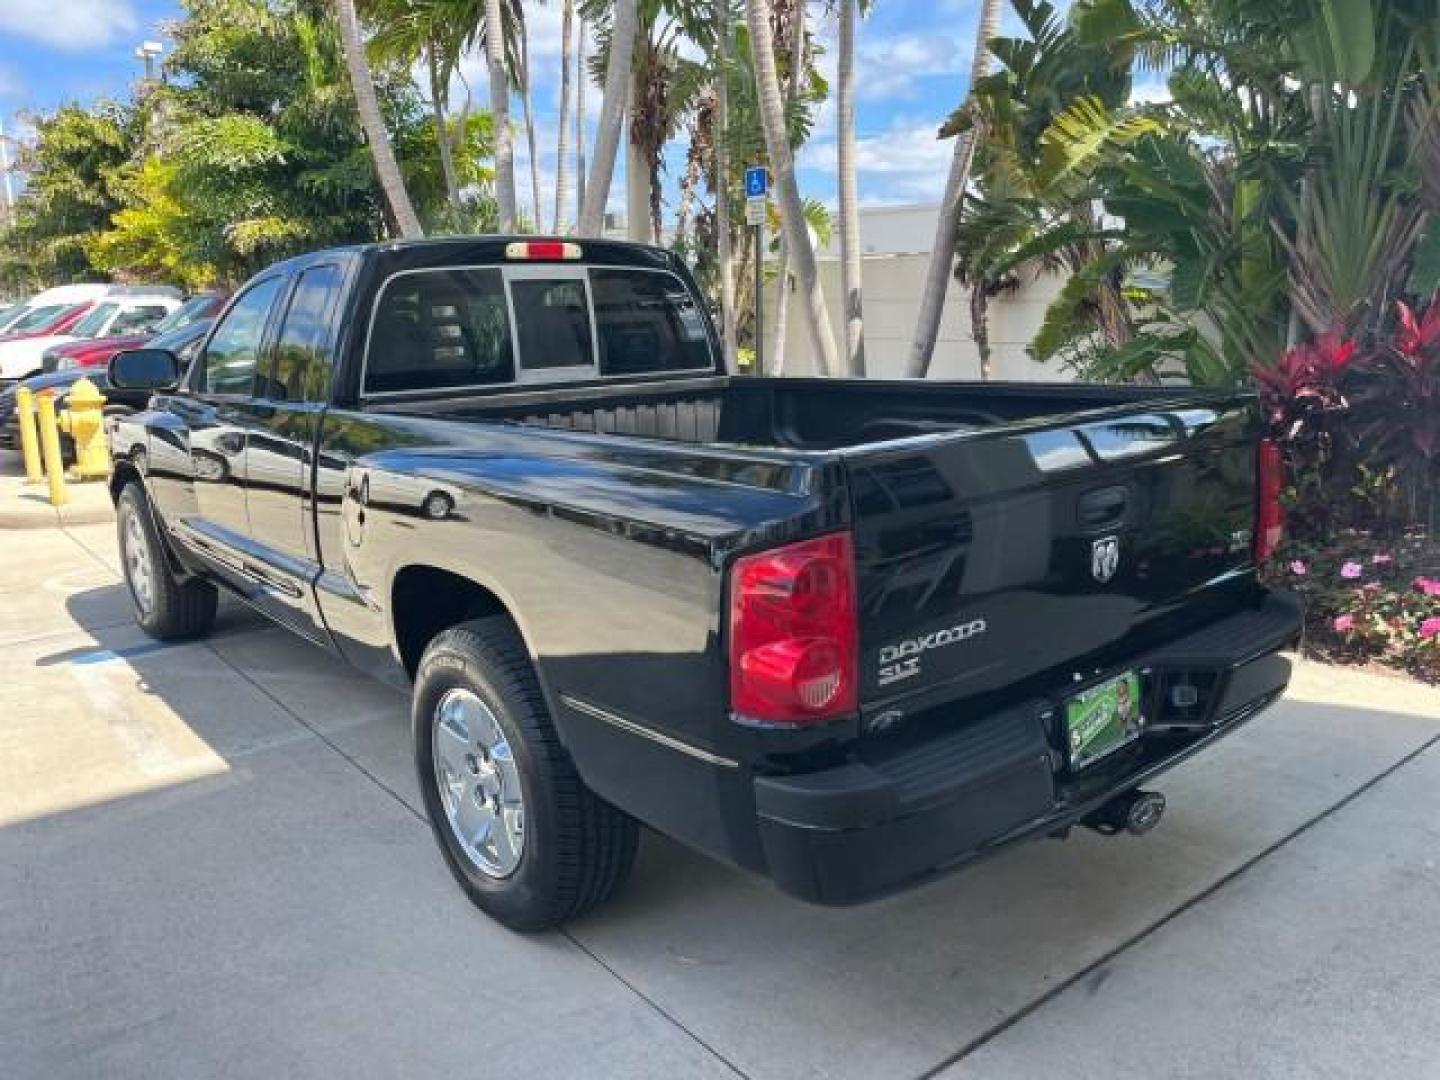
[(183, 342), (844, 633)]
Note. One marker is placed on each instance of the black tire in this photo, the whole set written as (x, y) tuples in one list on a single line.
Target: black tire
[(178, 607), (577, 849)]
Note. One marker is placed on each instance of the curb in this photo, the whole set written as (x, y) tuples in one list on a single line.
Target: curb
[(41, 515)]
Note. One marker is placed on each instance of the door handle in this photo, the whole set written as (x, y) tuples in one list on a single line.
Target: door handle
[(1103, 507)]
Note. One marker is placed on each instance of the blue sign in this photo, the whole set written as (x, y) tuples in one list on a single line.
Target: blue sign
[(757, 182)]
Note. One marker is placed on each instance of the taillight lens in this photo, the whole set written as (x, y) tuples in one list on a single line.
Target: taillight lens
[(793, 636), (1270, 514)]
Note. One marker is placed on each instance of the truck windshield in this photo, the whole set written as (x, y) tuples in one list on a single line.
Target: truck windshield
[(454, 328)]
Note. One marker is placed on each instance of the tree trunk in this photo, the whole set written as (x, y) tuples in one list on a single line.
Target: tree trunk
[(581, 78), (612, 117), (442, 131), (850, 254), (500, 110), (782, 265), (782, 164), (980, 328), (527, 103), (637, 176), (562, 139), (688, 183), (722, 183), (387, 171), (942, 253)]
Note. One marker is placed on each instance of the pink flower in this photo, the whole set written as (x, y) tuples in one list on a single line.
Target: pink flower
[(1351, 570), (1430, 628), (1298, 568), (1428, 586), (1381, 558), (1344, 624)]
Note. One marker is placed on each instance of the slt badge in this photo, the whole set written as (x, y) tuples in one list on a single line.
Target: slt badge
[(1105, 558)]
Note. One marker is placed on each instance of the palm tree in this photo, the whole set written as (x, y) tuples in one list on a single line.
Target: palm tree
[(722, 181), (562, 137), (581, 78), (500, 110), (612, 116), (782, 164), (850, 265), (942, 252), (387, 170), (527, 105), (796, 58)]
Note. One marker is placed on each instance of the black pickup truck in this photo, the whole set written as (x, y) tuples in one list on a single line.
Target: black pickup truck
[(846, 634)]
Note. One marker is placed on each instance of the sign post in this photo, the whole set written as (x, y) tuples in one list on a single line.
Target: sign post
[(757, 186)]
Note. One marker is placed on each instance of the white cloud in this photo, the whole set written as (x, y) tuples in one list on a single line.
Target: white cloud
[(71, 25)]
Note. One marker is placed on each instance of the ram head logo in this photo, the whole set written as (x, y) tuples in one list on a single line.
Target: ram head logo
[(1105, 558)]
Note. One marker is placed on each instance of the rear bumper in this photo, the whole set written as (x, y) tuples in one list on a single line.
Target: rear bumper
[(870, 827)]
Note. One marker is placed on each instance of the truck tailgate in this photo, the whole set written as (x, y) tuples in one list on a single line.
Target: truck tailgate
[(1037, 551)]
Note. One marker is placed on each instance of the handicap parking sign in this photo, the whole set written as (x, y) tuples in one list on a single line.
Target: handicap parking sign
[(757, 181)]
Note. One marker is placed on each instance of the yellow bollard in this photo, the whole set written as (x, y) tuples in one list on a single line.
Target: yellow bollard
[(29, 440), (84, 422), (50, 444)]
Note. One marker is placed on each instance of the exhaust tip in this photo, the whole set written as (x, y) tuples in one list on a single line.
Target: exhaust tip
[(1144, 812), (1135, 812)]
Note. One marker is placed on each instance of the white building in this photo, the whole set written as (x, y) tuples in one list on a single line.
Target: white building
[(896, 241)]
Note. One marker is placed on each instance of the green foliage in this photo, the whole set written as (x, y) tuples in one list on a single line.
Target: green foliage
[(71, 171), (250, 152)]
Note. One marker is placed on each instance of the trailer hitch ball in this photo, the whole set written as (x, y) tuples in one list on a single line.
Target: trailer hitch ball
[(1135, 812)]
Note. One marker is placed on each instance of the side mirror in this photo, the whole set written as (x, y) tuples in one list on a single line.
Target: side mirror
[(144, 369)]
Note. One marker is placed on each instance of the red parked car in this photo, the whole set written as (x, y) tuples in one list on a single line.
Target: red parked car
[(96, 352)]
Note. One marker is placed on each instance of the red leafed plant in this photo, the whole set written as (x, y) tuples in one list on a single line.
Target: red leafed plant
[(1305, 403), (1398, 401)]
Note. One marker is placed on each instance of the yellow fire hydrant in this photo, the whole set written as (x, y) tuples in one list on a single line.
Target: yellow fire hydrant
[(84, 422)]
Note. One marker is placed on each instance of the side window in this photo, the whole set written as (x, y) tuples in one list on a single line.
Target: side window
[(302, 350), (646, 322), (552, 321), (139, 318), (234, 350), (440, 328)]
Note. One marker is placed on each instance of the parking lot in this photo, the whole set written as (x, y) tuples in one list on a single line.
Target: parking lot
[(213, 863)]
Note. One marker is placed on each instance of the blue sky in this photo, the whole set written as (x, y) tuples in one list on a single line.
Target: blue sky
[(913, 66)]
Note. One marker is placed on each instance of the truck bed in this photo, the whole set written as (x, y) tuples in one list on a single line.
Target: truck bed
[(793, 414)]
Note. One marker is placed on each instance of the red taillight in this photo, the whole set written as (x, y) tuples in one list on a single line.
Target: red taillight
[(1269, 513), (542, 250), (793, 637)]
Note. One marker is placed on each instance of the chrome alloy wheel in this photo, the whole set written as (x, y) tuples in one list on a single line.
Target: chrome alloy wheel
[(478, 782), (139, 569)]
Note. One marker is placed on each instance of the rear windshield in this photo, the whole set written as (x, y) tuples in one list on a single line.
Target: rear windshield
[(445, 329)]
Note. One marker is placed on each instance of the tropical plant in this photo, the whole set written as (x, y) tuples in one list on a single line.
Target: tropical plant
[(720, 74), (562, 124), (623, 26), (363, 86), (851, 284), (942, 253), (500, 110), (782, 165), (1398, 408)]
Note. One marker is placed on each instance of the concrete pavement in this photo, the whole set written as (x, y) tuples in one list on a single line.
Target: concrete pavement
[(212, 863)]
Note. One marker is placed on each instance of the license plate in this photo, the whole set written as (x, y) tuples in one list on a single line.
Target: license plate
[(1102, 719)]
